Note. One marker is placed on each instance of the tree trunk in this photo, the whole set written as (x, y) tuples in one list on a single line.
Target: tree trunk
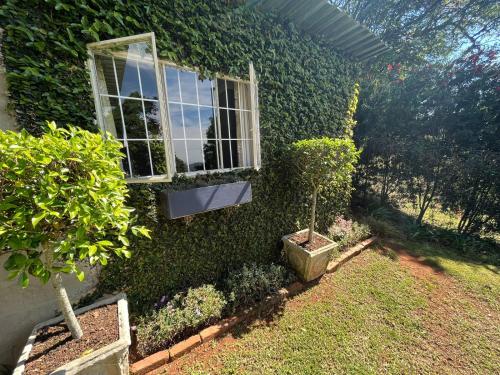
[(310, 237), (61, 295), (65, 307)]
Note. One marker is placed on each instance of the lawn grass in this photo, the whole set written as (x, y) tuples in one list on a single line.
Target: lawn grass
[(481, 276), (374, 316)]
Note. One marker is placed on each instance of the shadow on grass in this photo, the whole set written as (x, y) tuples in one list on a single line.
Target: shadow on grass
[(266, 313), (429, 240)]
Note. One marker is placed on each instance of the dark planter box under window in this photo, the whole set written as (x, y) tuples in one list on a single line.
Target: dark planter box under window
[(177, 204)]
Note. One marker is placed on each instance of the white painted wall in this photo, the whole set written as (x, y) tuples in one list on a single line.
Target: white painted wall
[(21, 309)]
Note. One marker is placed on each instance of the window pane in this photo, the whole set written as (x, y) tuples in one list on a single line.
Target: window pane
[(236, 157), (244, 93), (207, 122), (210, 154), (127, 58), (125, 166), (221, 88), (231, 94), (195, 155), (242, 153), (158, 156), (176, 121), (246, 124), (139, 157), (180, 156), (226, 154), (234, 122), (152, 110), (191, 121), (112, 117), (224, 125), (188, 87), (134, 119), (172, 84), (205, 92), (248, 152), (148, 81), (105, 75), (128, 78)]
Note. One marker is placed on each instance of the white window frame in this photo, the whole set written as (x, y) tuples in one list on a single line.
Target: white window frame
[(168, 141)]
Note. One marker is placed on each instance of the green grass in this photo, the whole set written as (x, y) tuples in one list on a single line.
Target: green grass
[(479, 275), (372, 317)]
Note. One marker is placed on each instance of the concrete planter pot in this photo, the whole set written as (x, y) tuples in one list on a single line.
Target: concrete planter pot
[(309, 265), (111, 359)]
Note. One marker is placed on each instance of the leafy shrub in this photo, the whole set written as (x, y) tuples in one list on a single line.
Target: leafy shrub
[(62, 200), (253, 282), (347, 232), (322, 163), (186, 312)]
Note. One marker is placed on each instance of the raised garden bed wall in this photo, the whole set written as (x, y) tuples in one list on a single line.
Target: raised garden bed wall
[(306, 90)]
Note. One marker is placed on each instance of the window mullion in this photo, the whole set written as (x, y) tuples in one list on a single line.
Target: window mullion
[(199, 120), (242, 135), (228, 125), (218, 132), (144, 117), (183, 123), (125, 139)]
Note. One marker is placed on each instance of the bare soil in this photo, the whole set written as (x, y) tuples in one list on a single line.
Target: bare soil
[(301, 240), (54, 346)]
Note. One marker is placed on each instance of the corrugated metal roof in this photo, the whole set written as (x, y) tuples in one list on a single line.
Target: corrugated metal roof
[(322, 19)]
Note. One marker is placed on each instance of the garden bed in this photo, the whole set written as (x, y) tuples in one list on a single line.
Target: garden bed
[(268, 303), (54, 345)]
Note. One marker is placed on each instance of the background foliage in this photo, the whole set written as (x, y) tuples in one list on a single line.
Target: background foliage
[(306, 90), (436, 97)]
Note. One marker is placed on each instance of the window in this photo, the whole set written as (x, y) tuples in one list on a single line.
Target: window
[(168, 118)]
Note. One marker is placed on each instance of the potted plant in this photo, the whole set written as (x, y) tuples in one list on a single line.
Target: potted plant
[(320, 163), (62, 202)]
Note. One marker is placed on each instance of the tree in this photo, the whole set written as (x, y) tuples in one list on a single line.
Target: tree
[(62, 201), (321, 163)]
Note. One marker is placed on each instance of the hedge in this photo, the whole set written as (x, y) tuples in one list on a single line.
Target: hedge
[(306, 90)]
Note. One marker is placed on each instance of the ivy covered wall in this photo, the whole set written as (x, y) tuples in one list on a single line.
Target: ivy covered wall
[(305, 88)]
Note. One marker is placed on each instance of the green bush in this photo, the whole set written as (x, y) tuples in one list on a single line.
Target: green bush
[(253, 283), (325, 163), (347, 232), (186, 312), (62, 201)]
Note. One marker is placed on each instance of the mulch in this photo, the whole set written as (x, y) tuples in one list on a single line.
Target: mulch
[(301, 240), (54, 346)]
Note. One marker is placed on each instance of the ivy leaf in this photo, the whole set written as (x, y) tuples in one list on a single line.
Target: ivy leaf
[(36, 219), (24, 280), (15, 262), (80, 275)]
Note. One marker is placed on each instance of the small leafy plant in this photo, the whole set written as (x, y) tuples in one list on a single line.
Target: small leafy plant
[(324, 162), (186, 311), (253, 282), (347, 232), (62, 202)]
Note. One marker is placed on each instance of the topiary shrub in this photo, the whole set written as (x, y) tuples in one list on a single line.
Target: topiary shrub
[(253, 282), (62, 202), (186, 312), (324, 163)]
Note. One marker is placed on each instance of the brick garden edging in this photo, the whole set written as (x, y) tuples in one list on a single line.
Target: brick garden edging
[(178, 350)]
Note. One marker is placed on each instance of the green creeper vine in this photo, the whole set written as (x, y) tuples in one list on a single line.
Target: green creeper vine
[(306, 90)]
